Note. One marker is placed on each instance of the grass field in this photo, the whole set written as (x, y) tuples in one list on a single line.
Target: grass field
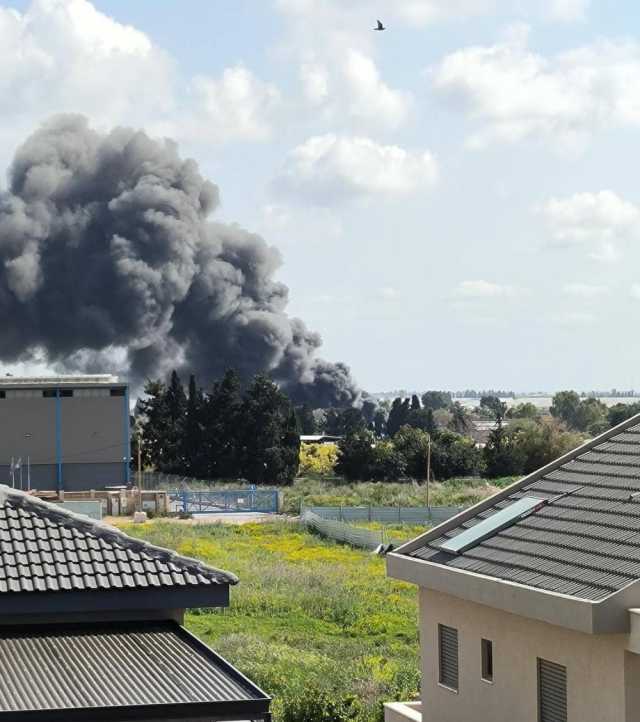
[(324, 492), (316, 624)]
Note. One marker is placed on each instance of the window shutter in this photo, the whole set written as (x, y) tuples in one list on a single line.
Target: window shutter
[(552, 692), (448, 651)]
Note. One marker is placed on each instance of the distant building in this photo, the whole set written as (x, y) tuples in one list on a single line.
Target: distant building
[(64, 433), (530, 600), (319, 439)]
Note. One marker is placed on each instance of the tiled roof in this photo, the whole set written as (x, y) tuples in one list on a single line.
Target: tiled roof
[(106, 667), (584, 543), (44, 548)]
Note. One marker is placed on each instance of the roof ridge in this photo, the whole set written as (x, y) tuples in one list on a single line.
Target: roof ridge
[(101, 530)]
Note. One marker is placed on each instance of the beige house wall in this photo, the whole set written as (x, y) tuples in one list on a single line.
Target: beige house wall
[(597, 666)]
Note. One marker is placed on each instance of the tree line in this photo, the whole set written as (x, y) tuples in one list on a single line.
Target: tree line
[(252, 431), (230, 431)]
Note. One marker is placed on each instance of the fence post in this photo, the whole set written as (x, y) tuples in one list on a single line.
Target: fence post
[(341, 515), (369, 512), (399, 514)]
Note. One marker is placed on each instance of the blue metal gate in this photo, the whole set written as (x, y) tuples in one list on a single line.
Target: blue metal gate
[(227, 501)]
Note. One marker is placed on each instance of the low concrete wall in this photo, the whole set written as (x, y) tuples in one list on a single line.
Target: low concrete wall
[(403, 712)]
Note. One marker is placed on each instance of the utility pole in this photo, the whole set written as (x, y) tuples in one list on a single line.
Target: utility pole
[(27, 436), (428, 468), (139, 469)]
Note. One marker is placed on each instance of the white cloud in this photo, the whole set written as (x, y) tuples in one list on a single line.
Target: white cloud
[(515, 93), (370, 98), (66, 56), (388, 293), (635, 291), (600, 221), (483, 289), (584, 290), (237, 106), (347, 86), (420, 13), (333, 46), (568, 10), (424, 12), (574, 318), (330, 169)]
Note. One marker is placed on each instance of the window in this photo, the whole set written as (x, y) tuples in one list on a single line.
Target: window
[(66, 393), (552, 692), (448, 656), (49, 393), (117, 392), (486, 646), (91, 393)]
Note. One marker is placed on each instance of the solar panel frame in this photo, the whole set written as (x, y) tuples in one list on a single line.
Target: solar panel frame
[(492, 524)]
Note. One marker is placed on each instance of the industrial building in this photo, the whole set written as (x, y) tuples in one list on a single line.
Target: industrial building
[(64, 433)]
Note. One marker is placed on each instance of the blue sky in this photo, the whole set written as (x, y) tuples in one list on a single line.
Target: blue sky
[(455, 199)]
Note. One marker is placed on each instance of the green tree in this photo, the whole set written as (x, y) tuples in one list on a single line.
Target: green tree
[(399, 415), (270, 448), (380, 423), (413, 445), (306, 420), (193, 439), (422, 419), (435, 400), (344, 422), (454, 455), (537, 443), (494, 406), (565, 406), (621, 412), (460, 419), (152, 423), (501, 457), (593, 417), (388, 464), (356, 456), (223, 421), (523, 411)]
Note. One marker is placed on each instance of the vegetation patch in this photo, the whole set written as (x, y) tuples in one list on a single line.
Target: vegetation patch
[(318, 625)]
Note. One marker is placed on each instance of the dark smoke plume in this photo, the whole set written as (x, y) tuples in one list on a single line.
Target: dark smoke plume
[(106, 252)]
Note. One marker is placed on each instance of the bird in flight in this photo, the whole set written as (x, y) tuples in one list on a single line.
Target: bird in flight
[(380, 26)]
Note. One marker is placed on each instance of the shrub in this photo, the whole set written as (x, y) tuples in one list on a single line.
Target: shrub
[(318, 459)]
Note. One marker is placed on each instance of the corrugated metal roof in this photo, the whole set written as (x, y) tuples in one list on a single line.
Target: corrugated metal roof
[(585, 544), (46, 548), (89, 668)]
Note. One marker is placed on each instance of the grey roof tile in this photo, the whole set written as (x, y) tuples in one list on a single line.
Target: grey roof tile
[(46, 548), (585, 544)]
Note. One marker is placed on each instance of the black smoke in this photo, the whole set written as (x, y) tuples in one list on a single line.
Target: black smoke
[(107, 252)]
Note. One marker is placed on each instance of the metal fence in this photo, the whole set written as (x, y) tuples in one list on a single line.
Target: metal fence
[(346, 533), (225, 501), (332, 522), (386, 514)]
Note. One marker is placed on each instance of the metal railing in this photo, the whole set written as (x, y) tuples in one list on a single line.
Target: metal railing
[(224, 501), (346, 533), (386, 514)]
